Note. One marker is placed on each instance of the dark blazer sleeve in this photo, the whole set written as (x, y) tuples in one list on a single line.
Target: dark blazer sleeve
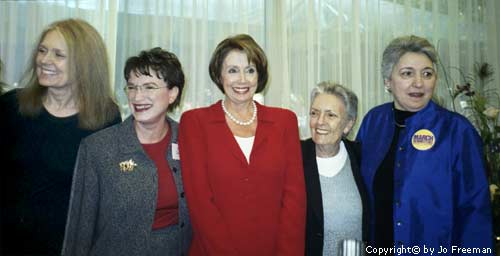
[(314, 216), (83, 206)]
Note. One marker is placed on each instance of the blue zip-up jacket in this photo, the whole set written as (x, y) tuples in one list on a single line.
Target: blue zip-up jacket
[(441, 195)]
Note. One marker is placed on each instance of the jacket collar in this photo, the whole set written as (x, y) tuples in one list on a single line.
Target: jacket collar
[(217, 114), (129, 142), (216, 117), (423, 114)]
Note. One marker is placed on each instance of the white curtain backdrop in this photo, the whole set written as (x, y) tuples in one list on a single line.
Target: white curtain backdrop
[(306, 41)]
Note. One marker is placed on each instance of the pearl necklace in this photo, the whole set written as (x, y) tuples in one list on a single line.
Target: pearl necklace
[(238, 122)]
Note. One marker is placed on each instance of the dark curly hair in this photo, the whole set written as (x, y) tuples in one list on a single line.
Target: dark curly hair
[(166, 65)]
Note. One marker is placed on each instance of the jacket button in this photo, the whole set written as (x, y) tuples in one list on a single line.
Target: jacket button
[(399, 223), (398, 203), (174, 169), (401, 148)]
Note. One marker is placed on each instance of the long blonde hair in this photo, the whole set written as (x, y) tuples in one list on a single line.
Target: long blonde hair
[(89, 68)]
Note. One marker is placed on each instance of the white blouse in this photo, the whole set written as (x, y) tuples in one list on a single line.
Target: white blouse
[(246, 145)]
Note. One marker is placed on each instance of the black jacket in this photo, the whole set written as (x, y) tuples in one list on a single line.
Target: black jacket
[(314, 223)]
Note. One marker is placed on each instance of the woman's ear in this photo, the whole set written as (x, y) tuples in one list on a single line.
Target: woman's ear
[(387, 85), (348, 127), (172, 94)]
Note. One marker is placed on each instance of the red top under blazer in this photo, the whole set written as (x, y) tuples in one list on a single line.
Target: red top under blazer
[(238, 208)]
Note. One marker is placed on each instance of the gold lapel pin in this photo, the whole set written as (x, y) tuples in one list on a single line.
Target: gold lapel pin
[(127, 166)]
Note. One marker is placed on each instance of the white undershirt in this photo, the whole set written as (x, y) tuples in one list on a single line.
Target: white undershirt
[(246, 145), (331, 166)]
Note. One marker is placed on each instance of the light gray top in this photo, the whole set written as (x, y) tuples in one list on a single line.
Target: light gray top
[(342, 209)]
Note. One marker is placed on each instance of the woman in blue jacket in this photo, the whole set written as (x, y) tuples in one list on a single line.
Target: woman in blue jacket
[(422, 164)]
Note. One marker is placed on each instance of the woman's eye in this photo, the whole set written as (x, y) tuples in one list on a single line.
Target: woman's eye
[(232, 71), (42, 50), (428, 74), (331, 115), (150, 87), (313, 114), (251, 70), (406, 74), (60, 55)]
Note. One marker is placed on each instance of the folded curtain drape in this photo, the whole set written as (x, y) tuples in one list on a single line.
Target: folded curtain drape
[(306, 41)]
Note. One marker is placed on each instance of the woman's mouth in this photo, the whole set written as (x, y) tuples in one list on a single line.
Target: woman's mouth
[(241, 90), (49, 72), (141, 107), (321, 131), (416, 94)]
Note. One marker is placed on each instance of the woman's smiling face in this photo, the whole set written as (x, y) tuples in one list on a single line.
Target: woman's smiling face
[(239, 77)]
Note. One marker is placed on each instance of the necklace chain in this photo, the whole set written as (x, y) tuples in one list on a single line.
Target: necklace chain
[(399, 125), (238, 122)]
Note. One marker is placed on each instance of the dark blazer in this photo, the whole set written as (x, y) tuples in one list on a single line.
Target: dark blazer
[(314, 223), (112, 210), (241, 208)]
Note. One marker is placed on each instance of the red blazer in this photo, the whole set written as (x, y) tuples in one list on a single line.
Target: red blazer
[(238, 208)]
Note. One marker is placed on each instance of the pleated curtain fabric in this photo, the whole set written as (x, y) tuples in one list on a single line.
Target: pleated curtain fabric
[(306, 41)]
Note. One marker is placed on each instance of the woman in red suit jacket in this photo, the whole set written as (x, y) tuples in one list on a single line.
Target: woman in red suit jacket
[(242, 163)]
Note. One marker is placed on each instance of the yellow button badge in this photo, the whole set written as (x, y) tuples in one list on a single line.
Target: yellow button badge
[(423, 139)]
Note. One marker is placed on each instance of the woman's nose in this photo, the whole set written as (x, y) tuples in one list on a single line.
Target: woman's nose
[(419, 81), (321, 118), (139, 93), (46, 57), (243, 76)]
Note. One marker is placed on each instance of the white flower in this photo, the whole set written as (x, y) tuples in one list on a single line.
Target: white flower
[(493, 191), (491, 112)]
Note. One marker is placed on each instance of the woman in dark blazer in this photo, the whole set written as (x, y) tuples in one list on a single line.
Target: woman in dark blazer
[(127, 196), (242, 164), (336, 197)]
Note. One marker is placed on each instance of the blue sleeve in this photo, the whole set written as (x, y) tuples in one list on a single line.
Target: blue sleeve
[(472, 213), (362, 129)]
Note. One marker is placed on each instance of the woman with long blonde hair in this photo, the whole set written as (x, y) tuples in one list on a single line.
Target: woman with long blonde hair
[(66, 97)]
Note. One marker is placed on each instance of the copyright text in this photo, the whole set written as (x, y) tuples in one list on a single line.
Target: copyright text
[(426, 250)]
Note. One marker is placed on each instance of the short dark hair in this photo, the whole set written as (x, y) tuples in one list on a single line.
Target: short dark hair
[(166, 65), (247, 44)]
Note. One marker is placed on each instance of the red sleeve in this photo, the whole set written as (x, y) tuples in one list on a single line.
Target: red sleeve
[(211, 235), (291, 234)]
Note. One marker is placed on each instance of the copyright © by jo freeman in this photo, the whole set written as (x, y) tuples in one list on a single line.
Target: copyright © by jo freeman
[(426, 250)]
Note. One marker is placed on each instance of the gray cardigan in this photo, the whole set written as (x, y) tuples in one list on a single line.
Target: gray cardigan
[(111, 208)]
